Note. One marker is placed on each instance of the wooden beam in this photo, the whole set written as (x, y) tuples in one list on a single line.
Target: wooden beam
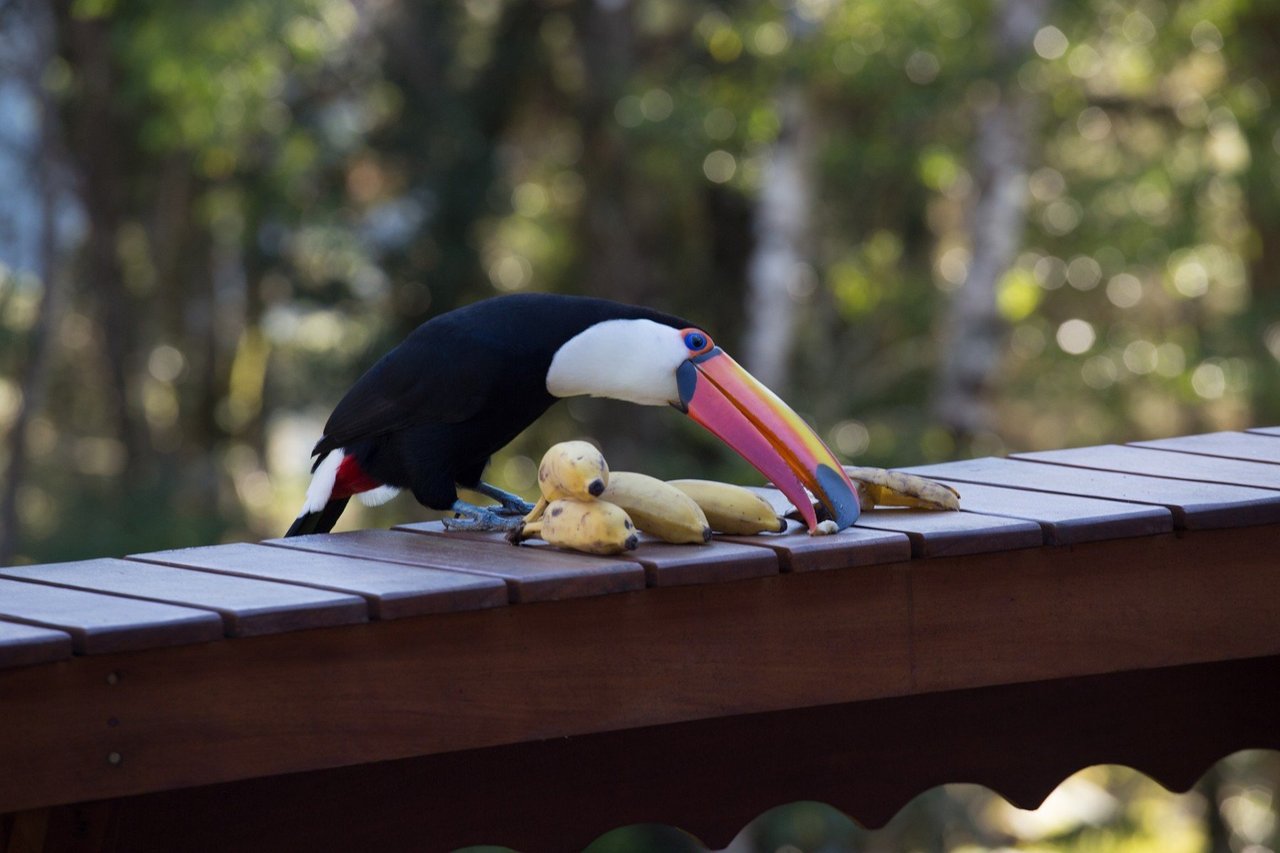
[(712, 777), (128, 723)]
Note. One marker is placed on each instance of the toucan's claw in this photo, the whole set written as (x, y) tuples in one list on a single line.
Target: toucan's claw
[(471, 517), (509, 504)]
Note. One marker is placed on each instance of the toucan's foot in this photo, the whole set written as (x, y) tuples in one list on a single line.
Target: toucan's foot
[(509, 504), (471, 517)]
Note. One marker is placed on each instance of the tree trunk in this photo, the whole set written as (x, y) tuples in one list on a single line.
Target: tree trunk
[(96, 141), (46, 151), (783, 223), (613, 263), (973, 332)]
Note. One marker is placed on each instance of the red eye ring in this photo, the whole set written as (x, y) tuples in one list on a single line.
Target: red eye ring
[(696, 341)]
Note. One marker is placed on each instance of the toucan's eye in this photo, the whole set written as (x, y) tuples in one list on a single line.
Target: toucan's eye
[(696, 342)]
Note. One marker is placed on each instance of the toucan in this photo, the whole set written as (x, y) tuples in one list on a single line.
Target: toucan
[(430, 413)]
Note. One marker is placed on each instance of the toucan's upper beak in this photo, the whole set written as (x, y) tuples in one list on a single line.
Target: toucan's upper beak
[(717, 393)]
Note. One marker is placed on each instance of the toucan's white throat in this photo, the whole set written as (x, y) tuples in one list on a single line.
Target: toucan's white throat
[(631, 360)]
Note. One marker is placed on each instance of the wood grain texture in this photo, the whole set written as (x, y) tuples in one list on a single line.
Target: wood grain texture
[(1151, 601), (247, 607), (530, 574), (799, 552), (867, 759), (664, 564), (1164, 463), (938, 533), (1254, 445), (935, 533), (392, 591), (1066, 519), (23, 645), (99, 624), (1195, 506), (384, 690), (448, 682)]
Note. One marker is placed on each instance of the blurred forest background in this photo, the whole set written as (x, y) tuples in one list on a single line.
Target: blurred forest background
[(939, 228)]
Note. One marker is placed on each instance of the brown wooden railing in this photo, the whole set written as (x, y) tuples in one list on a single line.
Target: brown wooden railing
[(411, 689)]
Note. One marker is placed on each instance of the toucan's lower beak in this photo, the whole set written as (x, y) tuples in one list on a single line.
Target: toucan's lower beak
[(717, 393)]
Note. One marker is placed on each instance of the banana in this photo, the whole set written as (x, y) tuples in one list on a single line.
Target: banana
[(595, 527), (732, 509), (570, 469), (894, 488), (658, 508)]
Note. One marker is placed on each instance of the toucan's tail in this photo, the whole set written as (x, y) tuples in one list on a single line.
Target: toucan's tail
[(319, 521), (321, 510)]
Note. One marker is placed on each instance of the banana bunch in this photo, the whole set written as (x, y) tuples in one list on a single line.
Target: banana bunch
[(586, 507), (878, 487)]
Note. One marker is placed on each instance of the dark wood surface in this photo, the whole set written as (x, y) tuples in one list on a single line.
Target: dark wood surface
[(665, 564), (530, 574), (392, 590), (1163, 463), (798, 552), (23, 645), (102, 623), (305, 700), (1253, 445), (711, 777), (1061, 566), (1066, 519), (938, 534), (247, 607), (1195, 506)]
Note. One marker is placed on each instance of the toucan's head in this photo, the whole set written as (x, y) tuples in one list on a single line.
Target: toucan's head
[(660, 360)]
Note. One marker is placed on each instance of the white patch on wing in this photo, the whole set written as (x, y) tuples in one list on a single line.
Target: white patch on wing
[(322, 481), (631, 360), (378, 496)]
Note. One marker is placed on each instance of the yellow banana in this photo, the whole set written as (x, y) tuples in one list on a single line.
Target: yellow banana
[(732, 509), (570, 469), (595, 527), (658, 508), (894, 488)]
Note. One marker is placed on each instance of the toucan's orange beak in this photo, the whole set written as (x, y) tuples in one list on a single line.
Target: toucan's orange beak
[(717, 393)]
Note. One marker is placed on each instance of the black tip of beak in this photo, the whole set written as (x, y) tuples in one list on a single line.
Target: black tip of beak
[(840, 502)]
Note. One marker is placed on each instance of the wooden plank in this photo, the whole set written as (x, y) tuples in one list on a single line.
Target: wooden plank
[(1195, 506), (23, 645), (867, 759), (1269, 431), (392, 590), (934, 534), (1255, 446), (1066, 519), (1164, 463), (941, 533), (1151, 598), (247, 607), (99, 624), (530, 574), (403, 687), (799, 552), (664, 564)]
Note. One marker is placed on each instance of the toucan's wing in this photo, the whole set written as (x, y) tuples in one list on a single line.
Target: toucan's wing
[(427, 379)]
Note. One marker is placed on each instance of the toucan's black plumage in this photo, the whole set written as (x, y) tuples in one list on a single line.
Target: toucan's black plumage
[(430, 413)]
